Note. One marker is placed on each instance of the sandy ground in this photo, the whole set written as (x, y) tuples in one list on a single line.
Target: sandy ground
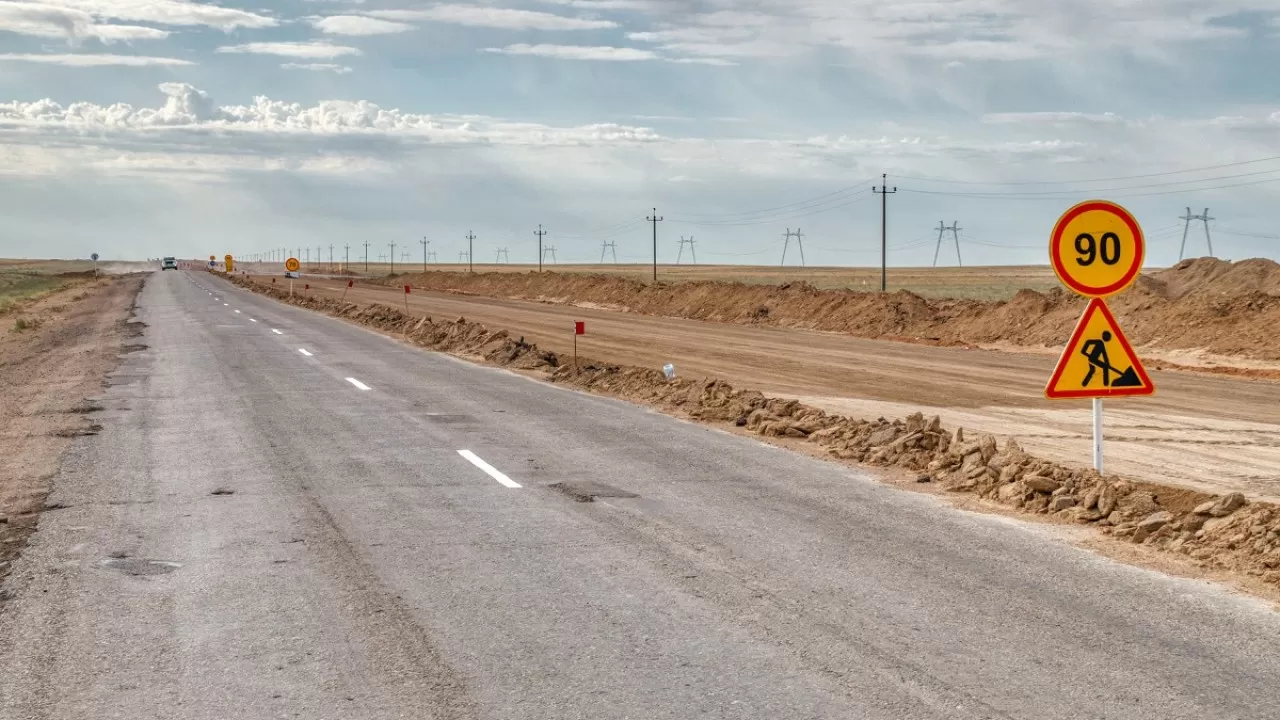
[(47, 374), (1213, 434)]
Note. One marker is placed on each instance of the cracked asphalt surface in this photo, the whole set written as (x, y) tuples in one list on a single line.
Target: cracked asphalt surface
[(254, 535)]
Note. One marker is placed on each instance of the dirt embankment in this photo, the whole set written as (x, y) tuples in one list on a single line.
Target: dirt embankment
[(1222, 532), (54, 352), (1199, 305)]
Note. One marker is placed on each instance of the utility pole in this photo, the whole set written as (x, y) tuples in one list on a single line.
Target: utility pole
[(366, 257), (1188, 218), (425, 242), (884, 192), (655, 220), (471, 246), (955, 232), (786, 243), (330, 258), (346, 258), (308, 255), (692, 249), (541, 234), (606, 246), (393, 258)]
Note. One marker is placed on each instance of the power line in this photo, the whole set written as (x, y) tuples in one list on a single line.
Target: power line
[(1088, 182)]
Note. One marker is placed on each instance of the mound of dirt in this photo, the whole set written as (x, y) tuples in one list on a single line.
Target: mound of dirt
[(1205, 304), (1225, 532)]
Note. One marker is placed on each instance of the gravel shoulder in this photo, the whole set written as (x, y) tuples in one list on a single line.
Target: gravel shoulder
[(50, 371)]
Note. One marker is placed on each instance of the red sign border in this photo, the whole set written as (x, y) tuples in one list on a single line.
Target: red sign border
[(1060, 228), (1097, 305)]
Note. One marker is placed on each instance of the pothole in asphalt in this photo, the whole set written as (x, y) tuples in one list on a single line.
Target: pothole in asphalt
[(588, 491), (140, 566)]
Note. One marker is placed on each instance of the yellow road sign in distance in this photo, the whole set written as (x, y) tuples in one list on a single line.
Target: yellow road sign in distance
[(292, 264), (1097, 248), (1099, 362), (230, 262)]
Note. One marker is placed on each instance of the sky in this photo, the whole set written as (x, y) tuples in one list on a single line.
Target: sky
[(143, 128)]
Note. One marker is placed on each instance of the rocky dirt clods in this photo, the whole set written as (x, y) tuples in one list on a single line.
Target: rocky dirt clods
[(1224, 532)]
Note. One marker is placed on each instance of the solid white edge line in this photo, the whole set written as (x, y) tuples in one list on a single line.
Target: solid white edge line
[(358, 384), (489, 470), (304, 352)]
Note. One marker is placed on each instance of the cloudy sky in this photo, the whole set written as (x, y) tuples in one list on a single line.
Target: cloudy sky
[(139, 128)]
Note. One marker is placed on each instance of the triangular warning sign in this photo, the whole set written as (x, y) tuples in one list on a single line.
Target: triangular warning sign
[(1098, 362)]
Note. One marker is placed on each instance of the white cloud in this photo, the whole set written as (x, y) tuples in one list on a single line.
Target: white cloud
[(490, 17), (318, 67), (165, 12), (316, 50), (578, 52), (93, 60), (41, 20), (357, 25)]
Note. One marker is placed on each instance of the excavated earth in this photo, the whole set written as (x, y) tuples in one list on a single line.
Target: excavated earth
[(1227, 532), (1203, 305)]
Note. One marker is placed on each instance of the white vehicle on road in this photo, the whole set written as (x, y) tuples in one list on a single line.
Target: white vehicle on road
[(169, 264)]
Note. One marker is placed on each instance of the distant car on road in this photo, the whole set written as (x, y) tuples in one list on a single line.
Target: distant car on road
[(169, 264)]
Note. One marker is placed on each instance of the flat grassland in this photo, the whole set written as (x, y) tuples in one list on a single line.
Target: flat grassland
[(969, 283)]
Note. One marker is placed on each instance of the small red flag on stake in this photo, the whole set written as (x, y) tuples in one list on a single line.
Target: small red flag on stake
[(406, 289), (307, 286), (351, 283), (579, 327)]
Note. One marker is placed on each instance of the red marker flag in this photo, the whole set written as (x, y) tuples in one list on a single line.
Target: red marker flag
[(579, 327), (406, 289), (351, 283)]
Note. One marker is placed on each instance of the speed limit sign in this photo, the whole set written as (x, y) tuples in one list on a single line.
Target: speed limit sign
[(1097, 248)]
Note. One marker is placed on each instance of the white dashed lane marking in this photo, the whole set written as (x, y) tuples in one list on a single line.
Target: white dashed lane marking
[(489, 470), (359, 385), (304, 352), (276, 331)]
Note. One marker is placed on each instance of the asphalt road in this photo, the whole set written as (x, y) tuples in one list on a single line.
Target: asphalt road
[(355, 564)]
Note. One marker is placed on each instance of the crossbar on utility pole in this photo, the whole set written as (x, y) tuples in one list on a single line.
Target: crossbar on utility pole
[(655, 219), (884, 192)]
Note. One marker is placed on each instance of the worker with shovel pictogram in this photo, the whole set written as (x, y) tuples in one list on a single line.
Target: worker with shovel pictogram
[(1095, 351)]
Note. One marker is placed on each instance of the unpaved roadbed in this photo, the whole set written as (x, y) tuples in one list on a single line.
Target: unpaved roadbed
[(1226, 532), (48, 372)]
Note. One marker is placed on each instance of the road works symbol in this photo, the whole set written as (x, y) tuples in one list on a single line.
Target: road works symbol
[(1099, 362), (292, 265), (1097, 248)]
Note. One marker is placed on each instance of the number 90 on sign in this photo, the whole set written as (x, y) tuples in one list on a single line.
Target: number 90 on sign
[(1097, 248)]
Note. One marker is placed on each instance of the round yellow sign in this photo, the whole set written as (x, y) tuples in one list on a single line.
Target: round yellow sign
[(1097, 248), (292, 264)]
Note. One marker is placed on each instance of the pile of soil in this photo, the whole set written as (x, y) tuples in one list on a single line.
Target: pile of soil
[(1226, 532), (1203, 304)]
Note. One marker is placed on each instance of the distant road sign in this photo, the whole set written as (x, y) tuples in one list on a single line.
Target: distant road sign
[(230, 263), (1098, 362), (94, 257), (213, 258), (292, 265), (1097, 248)]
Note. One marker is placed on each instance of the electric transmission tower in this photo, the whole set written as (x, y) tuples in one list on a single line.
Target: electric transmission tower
[(692, 250), (432, 256), (463, 256), (550, 249), (502, 253), (606, 246), (955, 233), (799, 236), (1187, 228)]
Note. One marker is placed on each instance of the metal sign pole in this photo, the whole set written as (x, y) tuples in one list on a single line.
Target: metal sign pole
[(1097, 435)]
